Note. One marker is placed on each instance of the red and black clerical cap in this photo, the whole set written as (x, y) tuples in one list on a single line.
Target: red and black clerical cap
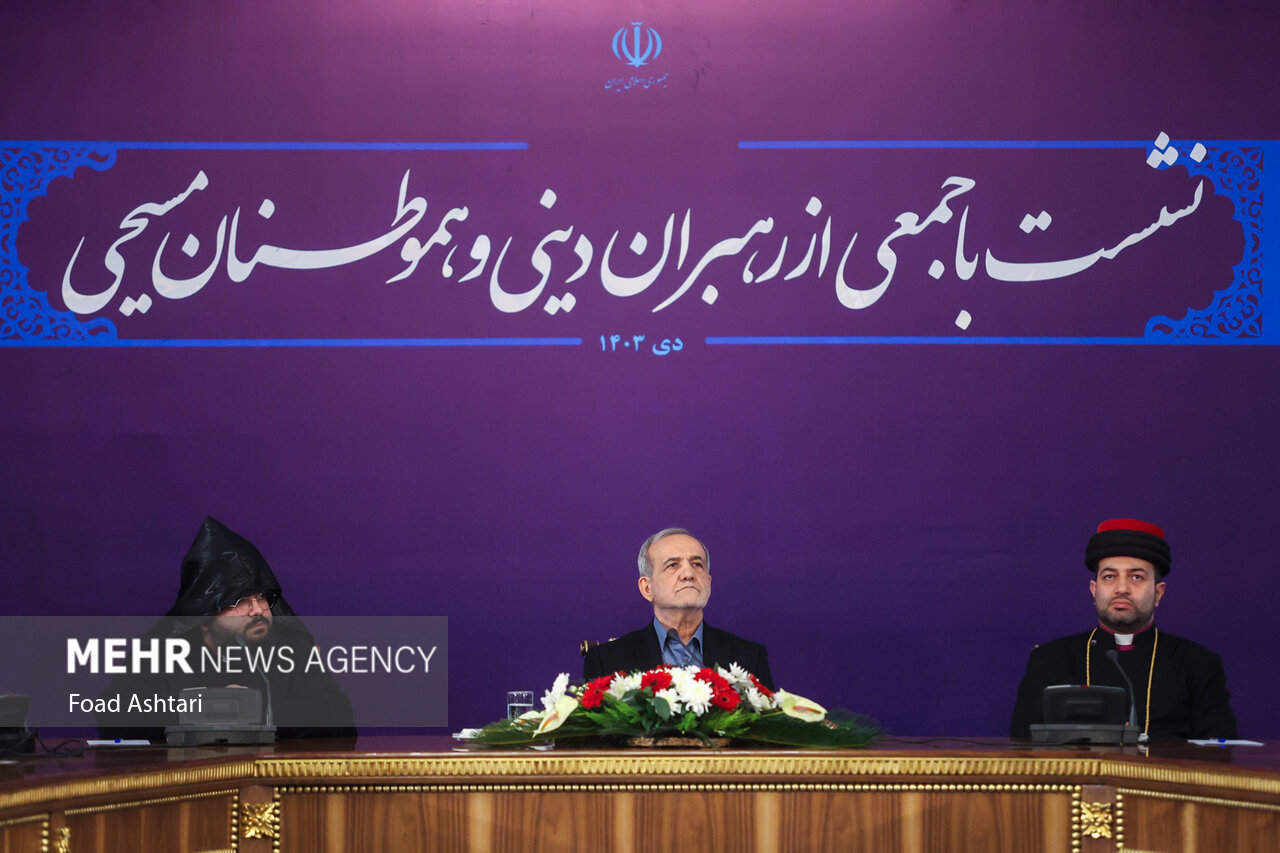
[(1129, 537)]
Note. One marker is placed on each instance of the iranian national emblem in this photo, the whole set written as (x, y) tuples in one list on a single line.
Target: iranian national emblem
[(637, 45)]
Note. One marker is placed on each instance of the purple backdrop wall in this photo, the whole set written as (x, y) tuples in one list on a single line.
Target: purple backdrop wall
[(899, 520)]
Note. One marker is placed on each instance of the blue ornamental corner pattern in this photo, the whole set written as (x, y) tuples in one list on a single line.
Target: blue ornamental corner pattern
[(26, 315), (1236, 310)]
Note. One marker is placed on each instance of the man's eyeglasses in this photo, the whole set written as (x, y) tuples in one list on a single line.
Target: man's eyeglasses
[(261, 601)]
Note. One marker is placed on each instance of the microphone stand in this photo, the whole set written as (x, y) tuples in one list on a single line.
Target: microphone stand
[(1130, 734), (266, 682)]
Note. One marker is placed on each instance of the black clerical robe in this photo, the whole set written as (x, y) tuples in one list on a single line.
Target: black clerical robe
[(304, 704), (1189, 697), (220, 568)]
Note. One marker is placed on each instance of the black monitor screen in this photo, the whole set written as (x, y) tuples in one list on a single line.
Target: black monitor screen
[(1077, 703)]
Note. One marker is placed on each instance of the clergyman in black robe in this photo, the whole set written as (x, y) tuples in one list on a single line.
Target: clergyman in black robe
[(1180, 687), (228, 598)]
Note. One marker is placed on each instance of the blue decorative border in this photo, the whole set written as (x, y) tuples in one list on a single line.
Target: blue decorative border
[(25, 174), (1235, 311), (1233, 315)]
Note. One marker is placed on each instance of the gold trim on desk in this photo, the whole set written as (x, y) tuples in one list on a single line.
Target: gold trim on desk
[(512, 766), (17, 821), (544, 787), (506, 769), (1200, 800), (154, 801), (667, 764), (126, 782)]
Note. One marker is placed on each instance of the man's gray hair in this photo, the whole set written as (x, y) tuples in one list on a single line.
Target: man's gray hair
[(646, 565)]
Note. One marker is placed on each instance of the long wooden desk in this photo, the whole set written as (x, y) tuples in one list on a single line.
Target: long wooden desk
[(424, 793)]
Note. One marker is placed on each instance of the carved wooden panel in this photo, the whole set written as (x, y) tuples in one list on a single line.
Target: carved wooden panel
[(176, 824), (1171, 823), (959, 818), (24, 835)]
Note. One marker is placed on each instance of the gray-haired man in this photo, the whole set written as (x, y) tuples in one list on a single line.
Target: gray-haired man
[(675, 577)]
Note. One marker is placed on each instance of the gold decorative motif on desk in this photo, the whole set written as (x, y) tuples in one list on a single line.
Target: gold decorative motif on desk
[(1095, 820), (260, 820)]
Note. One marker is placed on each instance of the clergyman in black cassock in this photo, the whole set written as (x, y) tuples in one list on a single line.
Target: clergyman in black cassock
[(1180, 687), (222, 571)]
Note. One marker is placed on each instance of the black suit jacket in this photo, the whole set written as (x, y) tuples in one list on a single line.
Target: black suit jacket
[(641, 650)]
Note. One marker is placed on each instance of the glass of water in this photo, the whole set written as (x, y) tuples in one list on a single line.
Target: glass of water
[(519, 702)]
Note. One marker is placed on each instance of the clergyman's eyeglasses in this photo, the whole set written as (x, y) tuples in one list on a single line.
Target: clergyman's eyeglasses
[(262, 600)]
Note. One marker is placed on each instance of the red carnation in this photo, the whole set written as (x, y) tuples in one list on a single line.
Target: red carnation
[(727, 699), (764, 691), (656, 680), (593, 695), (715, 679)]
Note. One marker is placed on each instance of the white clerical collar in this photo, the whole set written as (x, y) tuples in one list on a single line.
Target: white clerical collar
[(1124, 642)]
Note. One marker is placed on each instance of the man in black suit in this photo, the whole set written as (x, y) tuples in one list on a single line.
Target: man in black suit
[(675, 576)]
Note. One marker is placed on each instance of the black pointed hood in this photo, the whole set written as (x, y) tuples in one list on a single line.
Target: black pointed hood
[(220, 567)]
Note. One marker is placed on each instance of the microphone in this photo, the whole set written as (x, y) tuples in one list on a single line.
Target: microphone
[(1133, 696), (266, 682)]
